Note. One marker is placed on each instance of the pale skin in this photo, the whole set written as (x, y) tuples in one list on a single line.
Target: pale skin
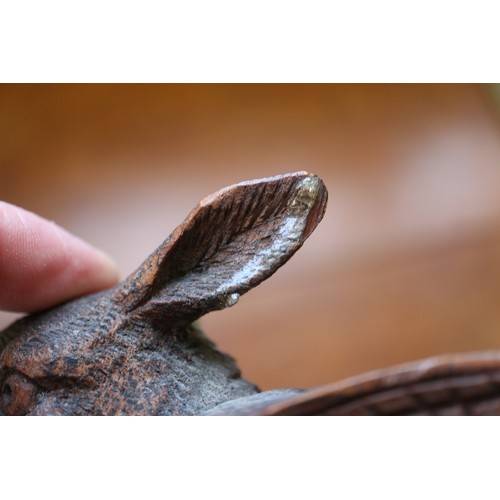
[(42, 265)]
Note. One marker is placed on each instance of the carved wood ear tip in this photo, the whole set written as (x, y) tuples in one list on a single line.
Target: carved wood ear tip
[(309, 200), (310, 188)]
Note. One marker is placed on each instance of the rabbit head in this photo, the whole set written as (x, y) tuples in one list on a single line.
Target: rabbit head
[(133, 349)]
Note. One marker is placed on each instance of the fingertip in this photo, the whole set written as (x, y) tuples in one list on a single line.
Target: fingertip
[(78, 267), (42, 264), (105, 272)]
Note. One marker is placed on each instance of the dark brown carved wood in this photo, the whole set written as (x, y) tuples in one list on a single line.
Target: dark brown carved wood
[(133, 349), (461, 384)]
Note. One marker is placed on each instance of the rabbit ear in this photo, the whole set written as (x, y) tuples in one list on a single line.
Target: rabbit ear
[(461, 384), (229, 243)]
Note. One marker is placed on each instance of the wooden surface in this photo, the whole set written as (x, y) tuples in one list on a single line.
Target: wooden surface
[(405, 264)]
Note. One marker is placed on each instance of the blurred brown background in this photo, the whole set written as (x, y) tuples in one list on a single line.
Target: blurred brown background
[(406, 263)]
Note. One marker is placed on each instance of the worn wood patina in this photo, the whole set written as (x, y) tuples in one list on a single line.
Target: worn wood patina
[(135, 349), (458, 384)]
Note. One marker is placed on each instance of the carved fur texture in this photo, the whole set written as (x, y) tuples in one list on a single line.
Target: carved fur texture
[(133, 350)]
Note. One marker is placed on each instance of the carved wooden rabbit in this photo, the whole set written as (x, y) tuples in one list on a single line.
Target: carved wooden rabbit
[(134, 350)]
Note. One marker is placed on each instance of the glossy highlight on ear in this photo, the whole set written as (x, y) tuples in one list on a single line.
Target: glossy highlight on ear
[(228, 244)]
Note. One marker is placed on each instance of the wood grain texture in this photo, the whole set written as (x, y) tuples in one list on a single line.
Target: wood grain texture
[(132, 350), (405, 265), (462, 384)]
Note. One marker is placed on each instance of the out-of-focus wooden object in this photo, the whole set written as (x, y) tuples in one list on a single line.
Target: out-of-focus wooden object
[(406, 263), (459, 384)]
